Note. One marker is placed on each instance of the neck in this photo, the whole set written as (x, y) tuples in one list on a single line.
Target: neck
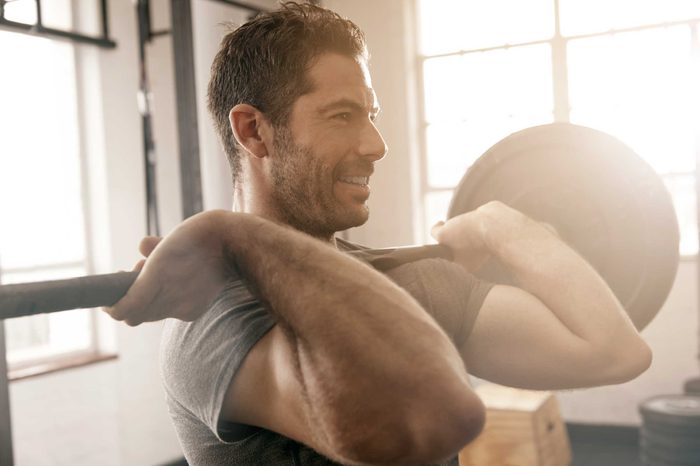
[(250, 201)]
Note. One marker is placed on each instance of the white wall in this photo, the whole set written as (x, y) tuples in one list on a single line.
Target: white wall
[(673, 335), (211, 22), (393, 219)]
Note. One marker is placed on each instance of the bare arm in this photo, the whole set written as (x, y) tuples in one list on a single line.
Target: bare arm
[(563, 326), (355, 368)]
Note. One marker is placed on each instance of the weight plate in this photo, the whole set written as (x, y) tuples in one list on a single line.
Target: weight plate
[(672, 410), (654, 429), (603, 199)]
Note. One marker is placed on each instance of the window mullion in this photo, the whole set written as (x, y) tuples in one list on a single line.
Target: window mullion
[(560, 75)]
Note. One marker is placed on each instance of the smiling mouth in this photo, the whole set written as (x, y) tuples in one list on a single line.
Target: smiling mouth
[(358, 180)]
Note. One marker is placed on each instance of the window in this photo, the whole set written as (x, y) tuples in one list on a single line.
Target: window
[(41, 204), (489, 68)]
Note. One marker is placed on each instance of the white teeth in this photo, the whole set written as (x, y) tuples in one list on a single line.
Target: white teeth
[(361, 180)]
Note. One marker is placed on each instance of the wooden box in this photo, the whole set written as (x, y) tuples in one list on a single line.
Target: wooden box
[(523, 428)]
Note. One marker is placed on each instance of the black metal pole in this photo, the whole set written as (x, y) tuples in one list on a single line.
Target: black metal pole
[(245, 6), (187, 125), (6, 455), (143, 14), (33, 30), (39, 19), (105, 19)]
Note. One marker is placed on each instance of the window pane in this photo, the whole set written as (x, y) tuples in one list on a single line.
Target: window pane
[(474, 100), (21, 11), (639, 87), (589, 16), (453, 25), (481, 85), (46, 334), (682, 189), (40, 186), (453, 147), (57, 14), (26, 332), (42, 232)]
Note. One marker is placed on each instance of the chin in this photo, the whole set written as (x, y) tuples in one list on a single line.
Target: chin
[(355, 218)]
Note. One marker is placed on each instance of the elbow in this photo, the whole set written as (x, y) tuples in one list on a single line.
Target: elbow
[(626, 362), (636, 361), (428, 433), (451, 426)]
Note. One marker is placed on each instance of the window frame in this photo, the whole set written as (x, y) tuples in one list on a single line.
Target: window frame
[(102, 40), (96, 351), (560, 89)]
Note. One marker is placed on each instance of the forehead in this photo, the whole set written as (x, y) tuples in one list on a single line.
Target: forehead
[(336, 77)]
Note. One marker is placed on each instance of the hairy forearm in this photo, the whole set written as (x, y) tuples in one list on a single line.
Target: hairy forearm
[(364, 347), (554, 273)]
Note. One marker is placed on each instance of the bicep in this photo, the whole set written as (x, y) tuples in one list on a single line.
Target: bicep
[(265, 392), (517, 341)]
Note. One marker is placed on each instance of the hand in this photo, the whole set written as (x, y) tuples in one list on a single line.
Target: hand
[(464, 235), (146, 247), (477, 235), (181, 275)]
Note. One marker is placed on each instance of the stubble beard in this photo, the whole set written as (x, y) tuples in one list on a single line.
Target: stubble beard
[(302, 191)]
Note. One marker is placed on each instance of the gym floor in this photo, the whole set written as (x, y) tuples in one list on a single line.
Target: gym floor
[(604, 446)]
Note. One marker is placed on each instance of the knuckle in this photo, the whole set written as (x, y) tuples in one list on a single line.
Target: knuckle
[(494, 205), (110, 311), (131, 322)]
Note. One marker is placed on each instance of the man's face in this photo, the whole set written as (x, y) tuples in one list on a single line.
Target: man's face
[(325, 155)]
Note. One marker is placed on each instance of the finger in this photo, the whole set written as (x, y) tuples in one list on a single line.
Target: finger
[(121, 313), (109, 310), (148, 244), (127, 307), (139, 265), (435, 230)]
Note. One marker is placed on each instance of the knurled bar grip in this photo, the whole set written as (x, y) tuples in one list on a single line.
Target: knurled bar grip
[(24, 299)]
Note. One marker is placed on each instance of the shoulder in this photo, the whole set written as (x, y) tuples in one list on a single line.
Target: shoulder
[(450, 294), (346, 246), (437, 273), (198, 359)]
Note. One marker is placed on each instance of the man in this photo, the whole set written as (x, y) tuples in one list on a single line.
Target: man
[(289, 351)]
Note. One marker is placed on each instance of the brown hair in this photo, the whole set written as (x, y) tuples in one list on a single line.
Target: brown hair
[(263, 63)]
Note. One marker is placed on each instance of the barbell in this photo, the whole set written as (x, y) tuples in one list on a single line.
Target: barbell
[(603, 200)]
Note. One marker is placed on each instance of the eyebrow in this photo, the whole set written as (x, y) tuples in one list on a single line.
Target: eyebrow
[(348, 103)]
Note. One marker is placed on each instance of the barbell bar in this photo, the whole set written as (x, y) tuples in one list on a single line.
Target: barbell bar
[(601, 197)]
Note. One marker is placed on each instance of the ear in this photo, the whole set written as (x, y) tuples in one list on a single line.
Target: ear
[(250, 129)]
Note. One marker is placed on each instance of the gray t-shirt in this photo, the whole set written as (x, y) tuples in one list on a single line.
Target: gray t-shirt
[(199, 359)]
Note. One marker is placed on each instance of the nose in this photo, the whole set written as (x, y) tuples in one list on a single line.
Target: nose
[(372, 143)]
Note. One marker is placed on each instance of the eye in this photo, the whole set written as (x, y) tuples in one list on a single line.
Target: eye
[(343, 116)]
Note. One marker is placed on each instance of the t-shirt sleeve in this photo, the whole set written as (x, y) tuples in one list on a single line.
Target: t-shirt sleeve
[(199, 359), (450, 294)]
